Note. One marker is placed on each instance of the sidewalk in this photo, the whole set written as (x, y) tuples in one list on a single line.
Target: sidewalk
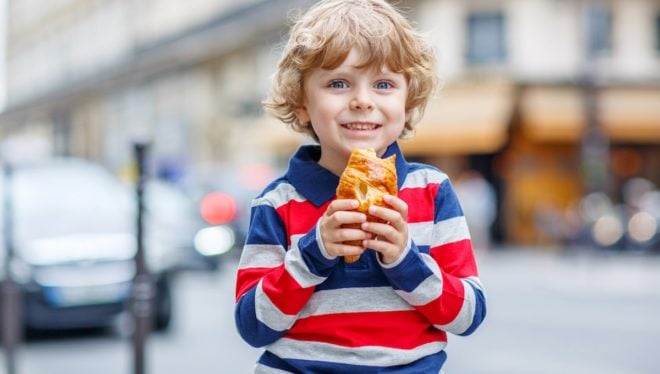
[(564, 311)]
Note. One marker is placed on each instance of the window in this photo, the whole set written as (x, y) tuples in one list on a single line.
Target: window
[(486, 37), (599, 30)]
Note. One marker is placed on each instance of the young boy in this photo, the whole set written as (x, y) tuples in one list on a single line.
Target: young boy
[(354, 74)]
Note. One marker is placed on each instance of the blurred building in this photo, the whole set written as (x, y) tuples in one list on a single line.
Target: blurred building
[(547, 99)]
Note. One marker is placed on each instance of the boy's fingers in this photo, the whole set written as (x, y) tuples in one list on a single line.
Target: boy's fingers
[(376, 245), (353, 234), (343, 218), (342, 204), (381, 230), (386, 214), (397, 204)]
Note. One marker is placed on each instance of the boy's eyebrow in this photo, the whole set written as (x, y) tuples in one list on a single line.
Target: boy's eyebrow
[(354, 69)]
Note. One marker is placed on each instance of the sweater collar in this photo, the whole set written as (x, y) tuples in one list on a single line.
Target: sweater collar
[(317, 184)]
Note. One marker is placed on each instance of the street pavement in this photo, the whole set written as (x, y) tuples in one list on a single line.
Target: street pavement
[(549, 311)]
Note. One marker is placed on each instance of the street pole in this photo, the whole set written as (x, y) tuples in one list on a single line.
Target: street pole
[(11, 321), (143, 287), (595, 144)]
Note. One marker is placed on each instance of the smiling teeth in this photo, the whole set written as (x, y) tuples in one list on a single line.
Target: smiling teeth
[(360, 126)]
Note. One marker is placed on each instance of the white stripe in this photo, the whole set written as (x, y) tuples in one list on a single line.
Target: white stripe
[(351, 300), (368, 355), (421, 232), (443, 232), (261, 256), (263, 369), (294, 239), (449, 231), (427, 291), (297, 268), (477, 283), (423, 177), (465, 317), (268, 313), (279, 196)]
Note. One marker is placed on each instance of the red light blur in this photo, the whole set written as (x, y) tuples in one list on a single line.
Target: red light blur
[(218, 208)]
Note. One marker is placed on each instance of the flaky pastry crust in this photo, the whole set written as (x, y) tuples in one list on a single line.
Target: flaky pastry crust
[(367, 178)]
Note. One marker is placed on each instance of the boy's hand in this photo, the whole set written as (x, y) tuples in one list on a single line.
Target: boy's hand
[(342, 212), (391, 238)]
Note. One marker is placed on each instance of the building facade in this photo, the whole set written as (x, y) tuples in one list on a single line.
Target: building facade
[(548, 99)]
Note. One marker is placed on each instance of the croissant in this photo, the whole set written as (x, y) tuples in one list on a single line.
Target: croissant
[(367, 178)]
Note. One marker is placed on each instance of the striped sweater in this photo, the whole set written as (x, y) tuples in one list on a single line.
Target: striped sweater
[(314, 313)]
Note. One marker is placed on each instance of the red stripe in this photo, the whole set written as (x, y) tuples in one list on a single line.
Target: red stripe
[(421, 202), (456, 258), (300, 217), (401, 329), (445, 308), (248, 278), (285, 292)]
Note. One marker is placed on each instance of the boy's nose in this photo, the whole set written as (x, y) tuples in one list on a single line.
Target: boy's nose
[(361, 102)]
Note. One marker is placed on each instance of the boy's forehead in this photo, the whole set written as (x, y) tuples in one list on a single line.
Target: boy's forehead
[(356, 60)]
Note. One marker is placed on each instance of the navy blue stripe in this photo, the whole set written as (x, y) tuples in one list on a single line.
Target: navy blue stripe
[(410, 273), (428, 364), (249, 327), (446, 203), (311, 254), (366, 272), (479, 311), (266, 227)]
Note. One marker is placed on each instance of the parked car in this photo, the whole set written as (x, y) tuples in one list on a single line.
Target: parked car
[(74, 228)]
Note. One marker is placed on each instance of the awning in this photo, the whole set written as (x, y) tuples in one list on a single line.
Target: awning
[(462, 120), (558, 114), (630, 114), (553, 114)]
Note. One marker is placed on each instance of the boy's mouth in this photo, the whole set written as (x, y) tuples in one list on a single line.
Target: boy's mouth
[(360, 126)]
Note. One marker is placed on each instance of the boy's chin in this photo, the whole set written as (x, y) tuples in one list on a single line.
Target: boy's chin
[(379, 148)]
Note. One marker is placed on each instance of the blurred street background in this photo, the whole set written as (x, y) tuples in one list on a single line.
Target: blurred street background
[(549, 113)]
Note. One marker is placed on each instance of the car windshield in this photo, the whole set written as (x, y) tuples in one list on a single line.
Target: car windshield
[(68, 197)]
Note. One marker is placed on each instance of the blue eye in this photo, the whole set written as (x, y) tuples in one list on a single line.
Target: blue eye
[(337, 84), (383, 85)]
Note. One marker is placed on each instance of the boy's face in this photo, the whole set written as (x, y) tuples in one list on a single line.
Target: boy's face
[(353, 108)]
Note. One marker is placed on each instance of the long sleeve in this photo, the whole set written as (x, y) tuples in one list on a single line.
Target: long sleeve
[(439, 278), (278, 270)]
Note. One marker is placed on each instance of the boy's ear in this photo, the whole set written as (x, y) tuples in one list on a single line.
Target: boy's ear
[(302, 114)]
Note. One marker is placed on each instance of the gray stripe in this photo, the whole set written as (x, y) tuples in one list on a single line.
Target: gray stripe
[(263, 369), (427, 291), (367, 355), (421, 232), (443, 232), (281, 195), (421, 178), (380, 299), (450, 230), (268, 313), (261, 255), (296, 266)]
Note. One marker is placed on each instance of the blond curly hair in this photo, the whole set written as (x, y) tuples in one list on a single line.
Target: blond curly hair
[(324, 36)]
